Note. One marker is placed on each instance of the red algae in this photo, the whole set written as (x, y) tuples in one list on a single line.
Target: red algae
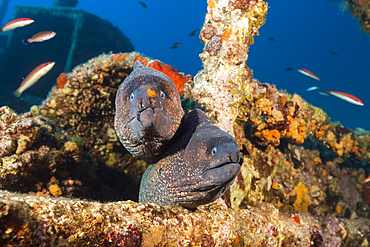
[(142, 60), (119, 57), (62, 80), (178, 78)]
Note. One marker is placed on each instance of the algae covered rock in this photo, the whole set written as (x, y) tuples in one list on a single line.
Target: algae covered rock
[(302, 181), (27, 149), (48, 221), (34, 158), (290, 147), (360, 10)]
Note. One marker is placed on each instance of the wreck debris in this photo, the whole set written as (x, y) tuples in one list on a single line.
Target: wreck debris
[(227, 34), (360, 10), (48, 221), (275, 130)]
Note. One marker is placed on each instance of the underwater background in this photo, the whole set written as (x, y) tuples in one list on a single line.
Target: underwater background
[(314, 34), (66, 178)]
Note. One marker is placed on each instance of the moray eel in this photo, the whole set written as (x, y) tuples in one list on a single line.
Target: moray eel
[(148, 112), (200, 166)]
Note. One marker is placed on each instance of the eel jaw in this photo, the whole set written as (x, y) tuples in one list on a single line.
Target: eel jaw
[(224, 170), (150, 130), (204, 192), (221, 175), (152, 123), (207, 187)]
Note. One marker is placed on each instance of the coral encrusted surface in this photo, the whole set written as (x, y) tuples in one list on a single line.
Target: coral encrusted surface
[(302, 181), (361, 10)]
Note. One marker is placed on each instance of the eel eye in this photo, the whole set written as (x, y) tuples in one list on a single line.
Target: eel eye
[(132, 97), (162, 94), (214, 151)]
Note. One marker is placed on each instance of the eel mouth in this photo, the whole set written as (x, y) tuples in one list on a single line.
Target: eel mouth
[(231, 159), (149, 110), (152, 125), (226, 164), (221, 174)]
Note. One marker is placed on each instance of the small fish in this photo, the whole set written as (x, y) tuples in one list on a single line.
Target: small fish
[(271, 38), (366, 180), (323, 93), (312, 88), (142, 4), (309, 73), (288, 69), (345, 96), (33, 77), (194, 32), (334, 53), (174, 46), (19, 22), (40, 37)]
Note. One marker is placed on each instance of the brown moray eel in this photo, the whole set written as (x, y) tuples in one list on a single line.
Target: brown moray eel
[(148, 112), (200, 166)]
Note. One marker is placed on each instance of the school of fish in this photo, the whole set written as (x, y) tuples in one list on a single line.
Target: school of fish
[(343, 96), (41, 69)]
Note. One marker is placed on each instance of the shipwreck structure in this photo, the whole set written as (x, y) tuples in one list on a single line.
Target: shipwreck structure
[(302, 181), (80, 36)]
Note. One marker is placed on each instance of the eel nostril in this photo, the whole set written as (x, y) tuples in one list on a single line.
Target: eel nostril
[(233, 157), (143, 102), (154, 102)]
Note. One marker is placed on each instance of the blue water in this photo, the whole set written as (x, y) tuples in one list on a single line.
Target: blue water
[(305, 34)]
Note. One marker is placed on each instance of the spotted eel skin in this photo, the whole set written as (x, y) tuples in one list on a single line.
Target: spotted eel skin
[(200, 166), (148, 112)]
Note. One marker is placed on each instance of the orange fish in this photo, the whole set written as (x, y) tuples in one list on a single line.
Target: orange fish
[(345, 96), (309, 73), (39, 37), (20, 22), (296, 219), (33, 77), (366, 180)]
